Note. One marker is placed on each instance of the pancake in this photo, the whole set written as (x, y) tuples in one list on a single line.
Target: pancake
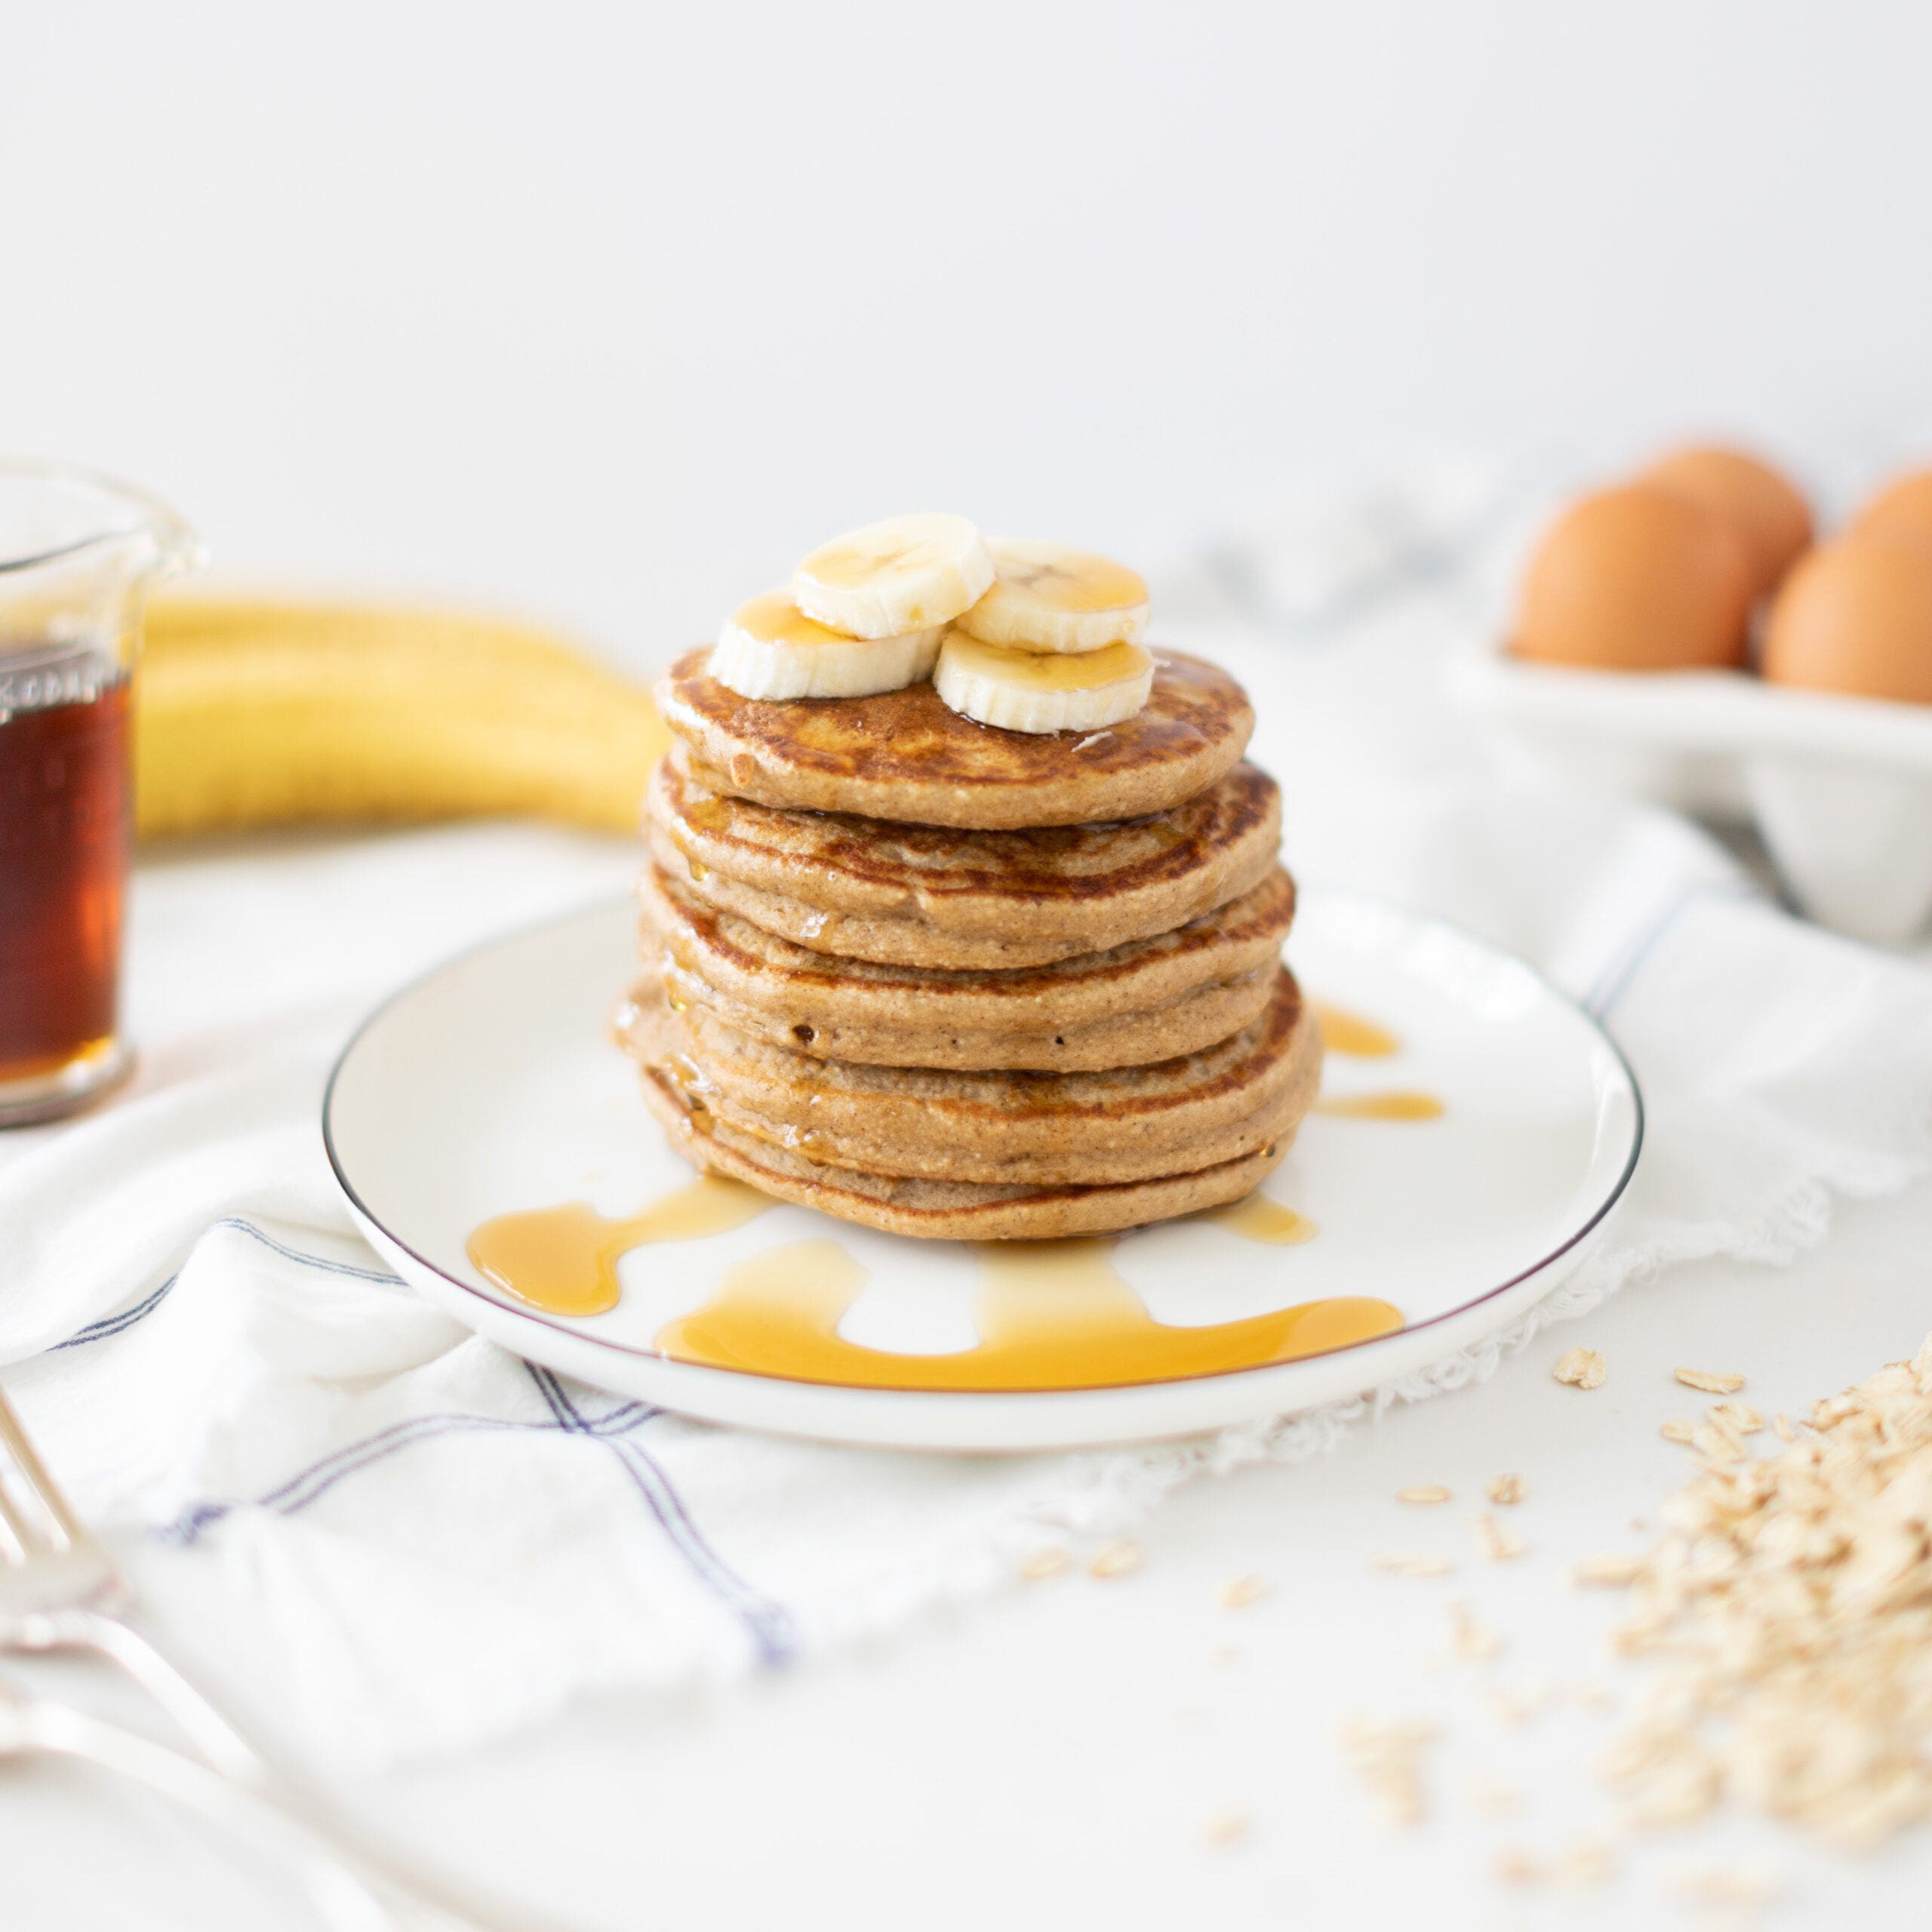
[(921, 895), (1196, 1019), (1133, 1124), (949, 1210), (905, 755), (1151, 998)]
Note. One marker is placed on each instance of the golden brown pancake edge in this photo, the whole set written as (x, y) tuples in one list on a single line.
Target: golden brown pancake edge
[(944, 897), (1138, 1123), (1060, 1015), (905, 755), (954, 1210)]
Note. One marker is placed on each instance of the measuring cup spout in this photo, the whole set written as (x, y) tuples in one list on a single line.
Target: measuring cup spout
[(79, 552)]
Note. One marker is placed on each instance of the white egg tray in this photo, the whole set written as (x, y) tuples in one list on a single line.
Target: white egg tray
[(1840, 788)]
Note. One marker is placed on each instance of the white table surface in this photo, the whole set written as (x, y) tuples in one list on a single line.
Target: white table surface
[(1055, 1756)]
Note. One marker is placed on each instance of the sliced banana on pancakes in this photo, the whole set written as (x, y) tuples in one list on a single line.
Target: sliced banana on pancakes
[(769, 648), (1040, 691), (891, 578), (1041, 637), (1049, 597)]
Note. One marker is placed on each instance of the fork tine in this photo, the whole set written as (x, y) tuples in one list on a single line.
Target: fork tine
[(26, 1459)]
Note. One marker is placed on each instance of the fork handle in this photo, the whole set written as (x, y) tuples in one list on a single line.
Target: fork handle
[(352, 1903), (265, 1786), (201, 1720)]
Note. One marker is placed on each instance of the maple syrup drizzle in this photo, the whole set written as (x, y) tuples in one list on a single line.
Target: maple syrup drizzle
[(1350, 1034), (564, 1260), (1344, 1032), (1257, 1218), (1050, 1315), (1397, 1105), (708, 813)]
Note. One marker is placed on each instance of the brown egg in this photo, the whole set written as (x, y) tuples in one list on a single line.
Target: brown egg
[(1760, 503), (1636, 579), (1903, 509), (1856, 616)]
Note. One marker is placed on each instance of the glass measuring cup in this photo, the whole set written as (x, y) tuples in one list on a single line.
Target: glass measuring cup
[(78, 554)]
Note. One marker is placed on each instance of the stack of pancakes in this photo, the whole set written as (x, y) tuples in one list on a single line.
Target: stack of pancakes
[(953, 981)]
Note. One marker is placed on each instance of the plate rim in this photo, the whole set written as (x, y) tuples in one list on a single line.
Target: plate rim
[(1417, 919)]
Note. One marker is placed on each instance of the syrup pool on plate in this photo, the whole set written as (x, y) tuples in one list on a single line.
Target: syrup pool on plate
[(1048, 1315)]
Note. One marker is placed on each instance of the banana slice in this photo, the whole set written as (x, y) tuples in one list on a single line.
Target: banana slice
[(891, 578), (1026, 690), (770, 648), (1048, 598)]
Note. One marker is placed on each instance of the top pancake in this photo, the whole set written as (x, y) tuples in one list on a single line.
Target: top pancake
[(903, 754)]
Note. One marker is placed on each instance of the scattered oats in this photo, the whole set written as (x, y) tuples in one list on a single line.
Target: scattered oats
[(1226, 1830), (1739, 1417), (1709, 1381), (1716, 1444), (1044, 1563), (1670, 1782), (1476, 1643), (1725, 1885), (1593, 1698), (1473, 1642), (1186, 1717), (1506, 1490), (1242, 1592), (1494, 1798), (1677, 1430), (1225, 1654), (1387, 1760), (1513, 1865), (1413, 1563), (1607, 1572), (1587, 1863), (1116, 1560), (1581, 1368), (1423, 1492), (1516, 1705), (1497, 1542), (1788, 1609)]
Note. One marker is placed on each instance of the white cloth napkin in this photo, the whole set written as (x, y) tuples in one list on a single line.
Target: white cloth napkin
[(409, 1539)]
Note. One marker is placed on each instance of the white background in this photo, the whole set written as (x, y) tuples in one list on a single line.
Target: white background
[(606, 312)]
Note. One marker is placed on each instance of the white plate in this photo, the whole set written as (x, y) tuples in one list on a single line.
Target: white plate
[(1840, 788), (490, 1087)]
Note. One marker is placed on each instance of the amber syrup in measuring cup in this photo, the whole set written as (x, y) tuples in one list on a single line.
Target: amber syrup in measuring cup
[(78, 555), (66, 825)]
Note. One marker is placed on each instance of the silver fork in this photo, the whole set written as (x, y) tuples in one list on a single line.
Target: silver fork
[(31, 1724), (58, 1590)]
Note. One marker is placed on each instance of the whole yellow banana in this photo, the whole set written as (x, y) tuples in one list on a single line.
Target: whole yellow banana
[(254, 714)]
